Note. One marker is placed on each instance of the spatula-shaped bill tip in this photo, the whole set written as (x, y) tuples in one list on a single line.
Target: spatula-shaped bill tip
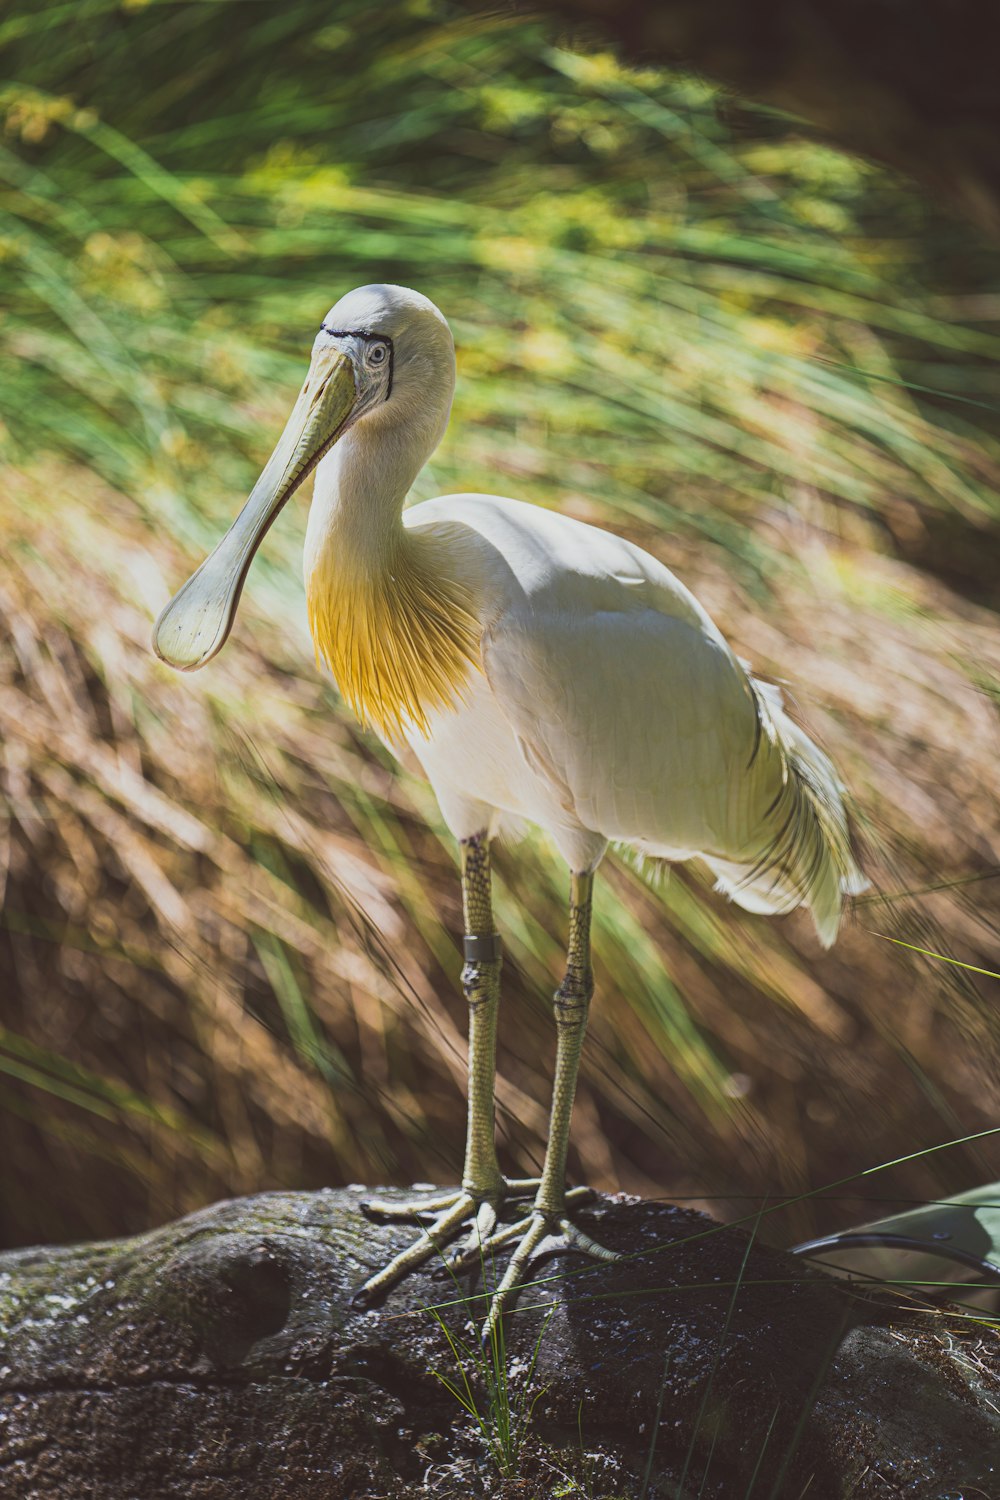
[(198, 619)]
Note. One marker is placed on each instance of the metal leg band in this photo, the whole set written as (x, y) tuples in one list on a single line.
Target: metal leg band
[(481, 948)]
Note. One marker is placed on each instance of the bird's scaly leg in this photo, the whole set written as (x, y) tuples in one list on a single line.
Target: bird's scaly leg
[(548, 1221), (483, 1188)]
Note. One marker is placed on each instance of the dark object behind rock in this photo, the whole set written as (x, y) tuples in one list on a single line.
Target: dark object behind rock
[(219, 1358)]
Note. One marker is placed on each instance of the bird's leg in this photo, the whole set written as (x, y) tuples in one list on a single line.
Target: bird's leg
[(483, 1187), (548, 1221), (481, 984), (571, 1007)]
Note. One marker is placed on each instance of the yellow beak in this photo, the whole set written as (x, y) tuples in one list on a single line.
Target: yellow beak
[(196, 623)]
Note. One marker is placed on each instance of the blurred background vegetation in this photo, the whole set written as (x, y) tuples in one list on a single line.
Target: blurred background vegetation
[(228, 953)]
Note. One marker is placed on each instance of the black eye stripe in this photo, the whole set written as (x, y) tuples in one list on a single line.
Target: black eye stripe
[(369, 338), (356, 333)]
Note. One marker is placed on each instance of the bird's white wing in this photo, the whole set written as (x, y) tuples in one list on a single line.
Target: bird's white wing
[(645, 724), (619, 689)]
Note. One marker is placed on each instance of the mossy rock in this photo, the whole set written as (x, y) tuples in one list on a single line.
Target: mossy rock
[(221, 1357)]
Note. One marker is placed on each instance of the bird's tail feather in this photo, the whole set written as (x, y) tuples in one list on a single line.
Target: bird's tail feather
[(806, 858)]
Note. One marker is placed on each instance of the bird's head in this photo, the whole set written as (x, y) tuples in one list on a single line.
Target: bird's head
[(383, 356)]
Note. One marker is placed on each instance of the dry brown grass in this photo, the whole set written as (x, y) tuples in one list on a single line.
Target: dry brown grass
[(237, 990)]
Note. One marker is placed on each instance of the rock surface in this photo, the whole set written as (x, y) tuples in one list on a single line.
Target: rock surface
[(220, 1357)]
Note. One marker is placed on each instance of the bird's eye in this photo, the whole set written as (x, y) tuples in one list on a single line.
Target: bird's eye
[(378, 354)]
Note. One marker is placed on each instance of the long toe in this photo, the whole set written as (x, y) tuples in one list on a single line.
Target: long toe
[(540, 1234), (409, 1210), (477, 1251), (521, 1187), (537, 1230), (575, 1239), (472, 1250), (431, 1242)]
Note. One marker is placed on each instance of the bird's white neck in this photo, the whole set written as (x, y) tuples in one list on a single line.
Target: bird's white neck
[(393, 625), (358, 498)]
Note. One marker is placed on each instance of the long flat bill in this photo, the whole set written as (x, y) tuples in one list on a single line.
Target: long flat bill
[(196, 623)]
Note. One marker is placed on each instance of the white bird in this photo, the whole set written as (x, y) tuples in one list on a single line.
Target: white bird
[(540, 669)]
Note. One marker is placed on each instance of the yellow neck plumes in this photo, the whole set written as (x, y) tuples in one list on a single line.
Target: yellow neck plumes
[(399, 638)]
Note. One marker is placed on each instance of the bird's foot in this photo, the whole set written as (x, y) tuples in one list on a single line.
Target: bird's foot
[(540, 1233), (446, 1215), (441, 1219)]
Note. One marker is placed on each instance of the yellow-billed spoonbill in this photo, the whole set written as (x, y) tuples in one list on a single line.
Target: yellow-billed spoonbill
[(539, 668)]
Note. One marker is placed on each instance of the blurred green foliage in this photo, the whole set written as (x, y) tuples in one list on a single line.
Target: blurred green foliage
[(190, 185)]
